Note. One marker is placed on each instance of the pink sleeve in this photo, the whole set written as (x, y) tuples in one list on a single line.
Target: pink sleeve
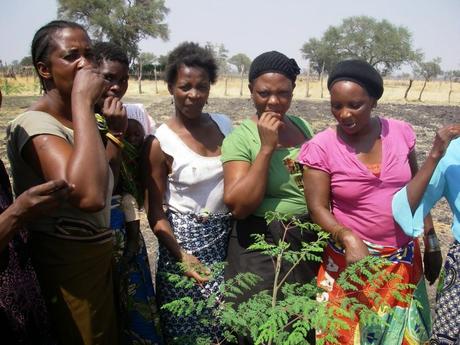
[(313, 156), (409, 136)]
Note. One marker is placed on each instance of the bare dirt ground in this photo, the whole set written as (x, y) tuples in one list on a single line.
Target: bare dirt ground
[(425, 120)]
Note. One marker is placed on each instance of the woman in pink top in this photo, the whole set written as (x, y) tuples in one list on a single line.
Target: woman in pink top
[(351, 173)]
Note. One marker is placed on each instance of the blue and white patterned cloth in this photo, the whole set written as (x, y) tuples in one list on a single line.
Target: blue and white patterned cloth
[(206, 237)]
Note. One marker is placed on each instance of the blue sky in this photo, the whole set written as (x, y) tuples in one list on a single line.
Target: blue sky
[(255, 26)]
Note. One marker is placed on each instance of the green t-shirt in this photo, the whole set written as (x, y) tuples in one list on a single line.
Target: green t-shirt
[(284, 191)]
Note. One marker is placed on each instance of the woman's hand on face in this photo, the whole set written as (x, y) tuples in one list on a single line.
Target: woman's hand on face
[(443, 138), (268, 126), (194, 268), (42, 198), (89, 84), (115, 114), (355, 248)]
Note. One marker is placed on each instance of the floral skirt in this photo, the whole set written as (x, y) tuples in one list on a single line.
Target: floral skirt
[(409, 323), (23, 315), (134, 289), (446, 326), (206, 238)]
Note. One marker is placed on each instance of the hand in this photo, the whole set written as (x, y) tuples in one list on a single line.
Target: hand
[(432, 263), (42, 198), (115, 114), (268, 126), (432, 257), (194, 268), (443, 138), (355, 248), (89, 85)]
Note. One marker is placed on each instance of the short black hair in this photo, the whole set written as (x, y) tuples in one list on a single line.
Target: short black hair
[(111, 52), (190, 54), (42, 42)]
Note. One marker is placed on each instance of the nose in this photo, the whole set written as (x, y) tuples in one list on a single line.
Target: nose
[(84, 61), (194, 93), (345, 113), (273, 99)]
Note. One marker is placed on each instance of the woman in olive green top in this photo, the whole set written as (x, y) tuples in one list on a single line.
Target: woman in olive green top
[(260, 173)]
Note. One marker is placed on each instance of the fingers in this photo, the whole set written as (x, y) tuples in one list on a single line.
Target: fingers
[(199, 278), (48, 187)]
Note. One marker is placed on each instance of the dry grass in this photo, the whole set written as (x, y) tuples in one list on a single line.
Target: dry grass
[(436, 92)]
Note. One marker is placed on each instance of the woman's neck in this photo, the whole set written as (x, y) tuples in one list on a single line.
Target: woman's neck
[(54, 104)]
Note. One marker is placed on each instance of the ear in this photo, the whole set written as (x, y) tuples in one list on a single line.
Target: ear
[(170, 89), (43, 70), (374, 105), (293, 87), (250, 88)]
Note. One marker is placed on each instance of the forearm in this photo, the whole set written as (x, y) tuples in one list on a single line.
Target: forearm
[(10, 223), (113, 154), (162, 229), (246, 195), (417, 186), (88, 167)]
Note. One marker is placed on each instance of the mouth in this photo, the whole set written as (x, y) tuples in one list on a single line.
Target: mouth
[(348, 125)]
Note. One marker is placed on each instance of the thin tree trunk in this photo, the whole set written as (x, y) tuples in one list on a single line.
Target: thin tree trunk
[(450, 90), (321, 80), (408, 88), (421, 91), (226, 81), (155, 76), (307, 84), (241, 83), (139, 77)]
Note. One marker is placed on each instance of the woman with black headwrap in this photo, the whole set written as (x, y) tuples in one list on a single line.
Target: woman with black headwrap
[(261, 175), (352, 171)]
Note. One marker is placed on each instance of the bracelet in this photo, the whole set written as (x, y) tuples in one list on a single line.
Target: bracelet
[(115, 140)]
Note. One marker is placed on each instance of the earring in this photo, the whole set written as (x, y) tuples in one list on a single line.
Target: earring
[(206, 102), (172, 100)]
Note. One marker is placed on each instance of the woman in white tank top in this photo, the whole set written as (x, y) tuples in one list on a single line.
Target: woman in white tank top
[(184, 181)]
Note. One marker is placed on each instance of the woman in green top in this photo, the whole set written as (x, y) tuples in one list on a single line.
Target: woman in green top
[(260, 172)]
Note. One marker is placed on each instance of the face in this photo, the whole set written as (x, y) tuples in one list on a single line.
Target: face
[(272, 92), (351, 106), (190, 91), (71, 51), (135, 133), (117, 75)]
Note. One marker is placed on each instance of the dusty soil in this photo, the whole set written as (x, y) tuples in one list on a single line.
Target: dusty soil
[(425, 120)]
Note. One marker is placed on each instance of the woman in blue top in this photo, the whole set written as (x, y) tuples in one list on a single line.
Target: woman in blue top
[(438, 177)]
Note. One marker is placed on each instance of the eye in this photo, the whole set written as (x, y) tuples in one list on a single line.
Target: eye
[(355, 105), (263, 94), (185, 87), (336, 106), (72, 56)]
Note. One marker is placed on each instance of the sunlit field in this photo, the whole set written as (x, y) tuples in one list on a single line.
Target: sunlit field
[(435, 93)]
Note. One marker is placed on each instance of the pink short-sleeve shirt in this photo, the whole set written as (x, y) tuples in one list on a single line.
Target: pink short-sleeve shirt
[(361, 200)]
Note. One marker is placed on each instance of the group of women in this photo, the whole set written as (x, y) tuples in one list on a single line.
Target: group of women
[(74, 268)]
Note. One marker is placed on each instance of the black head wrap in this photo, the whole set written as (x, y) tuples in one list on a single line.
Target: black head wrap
[(276, 62), (360, 72)]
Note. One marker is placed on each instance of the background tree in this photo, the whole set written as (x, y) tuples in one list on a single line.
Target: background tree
[(428, 70), (123, 22), (382, 44), (241, 62), (221, 55), (26, 61), (144, 59)]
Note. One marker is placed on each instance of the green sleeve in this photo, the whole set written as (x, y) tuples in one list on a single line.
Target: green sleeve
[(237, 146)]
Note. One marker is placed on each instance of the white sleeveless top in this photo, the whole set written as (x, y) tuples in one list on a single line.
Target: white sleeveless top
[(196, 183)]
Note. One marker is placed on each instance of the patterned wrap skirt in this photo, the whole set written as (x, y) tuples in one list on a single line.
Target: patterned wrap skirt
[(207, 239), (446, 326), (408, 324), (134, 291)]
